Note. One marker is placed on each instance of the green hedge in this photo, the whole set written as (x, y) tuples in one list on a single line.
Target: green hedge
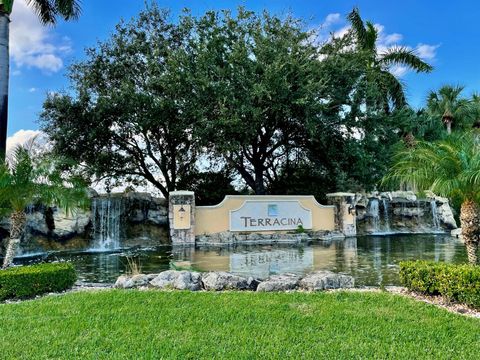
[(29, 281), (459, 283)]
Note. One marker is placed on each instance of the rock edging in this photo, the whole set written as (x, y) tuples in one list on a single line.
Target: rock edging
[(223, 281)]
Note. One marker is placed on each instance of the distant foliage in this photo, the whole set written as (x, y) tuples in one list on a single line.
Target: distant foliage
[(210, 187)]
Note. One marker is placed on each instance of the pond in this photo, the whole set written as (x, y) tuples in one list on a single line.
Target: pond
[(371, 260)]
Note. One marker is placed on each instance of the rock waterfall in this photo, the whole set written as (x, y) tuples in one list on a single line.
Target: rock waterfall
[(107, 222)]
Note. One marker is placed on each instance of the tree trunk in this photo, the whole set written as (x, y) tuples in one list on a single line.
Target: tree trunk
[(449, 126), (470, 221), (472, 252), (409, 140), (4, 75), (259, 182), (17, 229)]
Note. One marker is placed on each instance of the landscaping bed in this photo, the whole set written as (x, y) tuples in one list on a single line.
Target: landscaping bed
[(117, 324)]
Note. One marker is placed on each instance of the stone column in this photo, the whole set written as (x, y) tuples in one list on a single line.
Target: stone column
[(181, 217), (345, 214)]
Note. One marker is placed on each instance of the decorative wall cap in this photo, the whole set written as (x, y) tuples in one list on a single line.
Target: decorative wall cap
[(340, 194), (265, 198), (181, 192)]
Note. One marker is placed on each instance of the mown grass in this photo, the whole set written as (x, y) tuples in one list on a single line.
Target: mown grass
[(234, 325)]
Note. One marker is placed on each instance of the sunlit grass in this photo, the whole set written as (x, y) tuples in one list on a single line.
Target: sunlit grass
[(233, 325)]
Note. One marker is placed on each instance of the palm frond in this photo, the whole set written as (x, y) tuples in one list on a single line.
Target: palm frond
[(399, 55), (358, 27), (49, 10), (68, 9), (371, 37), (447, 101), (394, 89), (44, 9), (447, 167), (25, 180)]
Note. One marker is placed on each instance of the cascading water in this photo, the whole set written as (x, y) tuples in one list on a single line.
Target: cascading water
[(107, 223), (374, 212), (385, 215), (435, 219)]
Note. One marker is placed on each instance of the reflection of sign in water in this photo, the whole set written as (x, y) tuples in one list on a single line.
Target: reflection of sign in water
[(275, 261), (261, 215)]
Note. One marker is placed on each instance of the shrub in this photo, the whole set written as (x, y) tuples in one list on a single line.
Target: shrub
[(456, 282), (29, 281)]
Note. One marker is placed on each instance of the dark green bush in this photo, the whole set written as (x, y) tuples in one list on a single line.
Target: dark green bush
[(459, 283), (29, 281)]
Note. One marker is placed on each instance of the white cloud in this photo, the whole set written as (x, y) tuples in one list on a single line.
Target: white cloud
[(393, 38), (32, 90), (333, 25), (427, 52), (21, 137), (398, 70), (341, 32), (331, 19), (32, 45)]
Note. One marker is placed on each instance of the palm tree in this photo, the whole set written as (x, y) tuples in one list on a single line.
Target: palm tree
[(475, 110), (378, 65), (450, 168), (447, 104), (48, 12), (24, 181)]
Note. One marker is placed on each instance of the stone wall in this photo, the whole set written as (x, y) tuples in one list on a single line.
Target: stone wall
[(230, 238), (403, 212), (144, 221)]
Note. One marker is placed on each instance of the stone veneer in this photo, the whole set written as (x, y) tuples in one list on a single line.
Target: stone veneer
[(182, 236)]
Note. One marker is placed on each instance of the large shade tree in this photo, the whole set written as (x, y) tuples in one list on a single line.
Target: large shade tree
[(26, 179), (382, 89), (238, 88), (264, 84), (451, 168), (448, 106), (130, 116), (48, 12)]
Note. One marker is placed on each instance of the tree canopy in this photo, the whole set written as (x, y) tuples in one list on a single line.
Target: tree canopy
[(252, 95)]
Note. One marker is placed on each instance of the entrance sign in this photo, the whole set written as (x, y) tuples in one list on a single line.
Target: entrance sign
[(270, 215)]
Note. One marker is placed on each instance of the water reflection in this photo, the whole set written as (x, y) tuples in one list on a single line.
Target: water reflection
[(373, 261)]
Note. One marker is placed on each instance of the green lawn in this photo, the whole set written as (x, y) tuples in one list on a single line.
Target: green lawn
[(238, 325)]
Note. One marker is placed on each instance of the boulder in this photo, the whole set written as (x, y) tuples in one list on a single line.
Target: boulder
[(409, 212), (179, 280), (158, 217), (220, 280), (325, 280), (445, 215), (403, 195), (71, 224), (252, 283), (91, 193), (456, 233), (138, 196), (5, 223), (128, 282), (36, 223), (279, 283)]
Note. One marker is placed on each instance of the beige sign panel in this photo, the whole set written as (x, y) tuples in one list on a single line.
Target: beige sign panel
[(181, 217), (217, 218), (270, 215)]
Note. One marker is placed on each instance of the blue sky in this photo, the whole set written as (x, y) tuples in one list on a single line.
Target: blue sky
[(446, 34)]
